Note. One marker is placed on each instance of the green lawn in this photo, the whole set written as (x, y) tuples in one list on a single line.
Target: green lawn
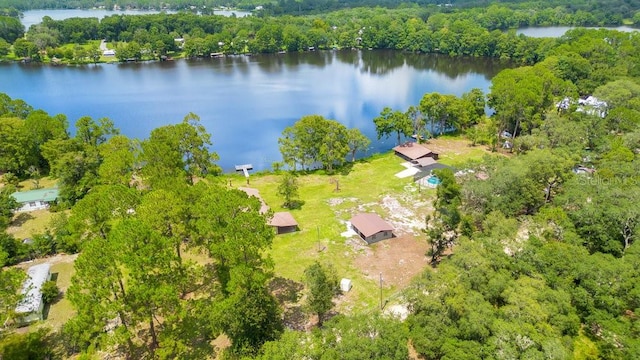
[(320, 227), (62, 310), (29, 184), (27, 224)]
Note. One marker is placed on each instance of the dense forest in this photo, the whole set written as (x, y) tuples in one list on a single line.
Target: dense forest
[(609, 8), (474, 32), (534, 251)]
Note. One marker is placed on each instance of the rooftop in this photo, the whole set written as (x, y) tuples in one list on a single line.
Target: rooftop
[(412, 150), (283, 219), (46, 195), (37, 275), (369, 224)]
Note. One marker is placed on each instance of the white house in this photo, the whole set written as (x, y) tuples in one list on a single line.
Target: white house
[(30, 307), (35, 199)]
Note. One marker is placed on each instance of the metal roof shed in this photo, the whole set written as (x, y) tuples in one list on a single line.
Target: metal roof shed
[(29, 309)]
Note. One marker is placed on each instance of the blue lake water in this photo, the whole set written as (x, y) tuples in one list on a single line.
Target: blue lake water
[(557, 31), (245, 102)]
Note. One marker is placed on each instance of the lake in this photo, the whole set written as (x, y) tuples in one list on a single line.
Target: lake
[(557, 31), (245, 102), (32, 17)]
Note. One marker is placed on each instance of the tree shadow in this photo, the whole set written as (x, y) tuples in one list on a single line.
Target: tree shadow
[(294, 205), (285, 290), (21, 218), (346, 168)]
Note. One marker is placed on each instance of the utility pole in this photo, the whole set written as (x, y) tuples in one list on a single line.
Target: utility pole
[(381, 306)]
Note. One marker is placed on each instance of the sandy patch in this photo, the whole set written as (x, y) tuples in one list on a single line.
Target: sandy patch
[(349, 232), (52, 260), (404, 220), (398, 260), (398, 311)]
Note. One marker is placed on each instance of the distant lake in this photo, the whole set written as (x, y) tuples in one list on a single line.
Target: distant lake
[(32, 17), (245, 102), (557, 31)]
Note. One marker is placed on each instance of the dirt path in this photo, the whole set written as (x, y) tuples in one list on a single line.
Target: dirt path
[(53, 260)]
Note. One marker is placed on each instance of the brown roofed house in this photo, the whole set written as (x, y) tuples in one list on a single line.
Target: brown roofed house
[(371, 227), (283, 222), (412, 151)]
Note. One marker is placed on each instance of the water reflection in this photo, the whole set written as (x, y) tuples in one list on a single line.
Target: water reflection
[(245, 102)]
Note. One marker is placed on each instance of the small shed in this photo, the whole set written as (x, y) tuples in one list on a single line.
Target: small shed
[(412, 151), (30, 308), (371, 227), (283, 222), (36, 199)]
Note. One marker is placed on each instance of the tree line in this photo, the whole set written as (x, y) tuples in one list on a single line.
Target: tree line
[(463, 32)]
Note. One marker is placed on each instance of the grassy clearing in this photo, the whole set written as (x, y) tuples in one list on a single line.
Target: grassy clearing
[(61, 311), (27, 224), (319, 237), (457, 152), (29, 184)]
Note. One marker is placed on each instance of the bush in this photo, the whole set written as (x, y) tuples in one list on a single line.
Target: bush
[(50, 292)]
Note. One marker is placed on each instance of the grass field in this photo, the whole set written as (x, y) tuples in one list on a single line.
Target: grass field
[(320, 223), (367, 185)]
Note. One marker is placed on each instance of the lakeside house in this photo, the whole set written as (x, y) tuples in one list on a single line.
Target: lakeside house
[(30, 307), (371, 227), (36, 199), (412, 151), (283, 222)]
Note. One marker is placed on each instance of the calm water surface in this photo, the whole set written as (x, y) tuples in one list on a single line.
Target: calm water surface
[(245, 102), (557, 31)]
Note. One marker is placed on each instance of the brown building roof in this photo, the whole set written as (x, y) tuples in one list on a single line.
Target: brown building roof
[(425, 161), (369, 224), (254, 192), (283, 219), (412, 150)]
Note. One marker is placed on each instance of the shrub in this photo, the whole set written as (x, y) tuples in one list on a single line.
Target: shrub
[(50, 292)]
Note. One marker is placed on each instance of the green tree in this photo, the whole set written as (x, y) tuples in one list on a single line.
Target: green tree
[(178, 152), (11, 28), (50, 292), (14, 155), (390, 122), (322, 284), (5, 47), (288, 188), (10, 282), (314, 139), (24, 48), (8, 205), (357, 142), (521, 96), (118, 160), (443, 111)]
